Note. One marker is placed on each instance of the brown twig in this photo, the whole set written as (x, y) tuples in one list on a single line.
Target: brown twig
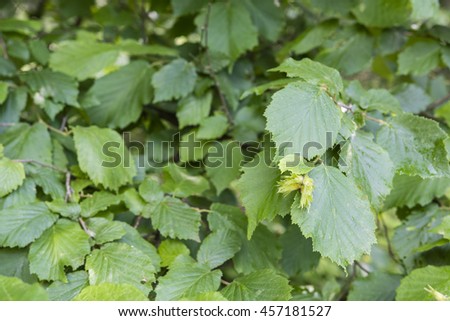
[(437, 103), (85, 228), (389, 244), (346, 287), (69, 190), (362, 267), (63, 123), (379, 121), (137, 221), (210, 70)]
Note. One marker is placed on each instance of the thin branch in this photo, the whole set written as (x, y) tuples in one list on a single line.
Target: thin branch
[(64, 123), (438, 102), (389, 245), (69, 190), (224, 282), (32, 161), (85, 228), (56, 130), (347, 107), (379, 121), (137, 221), (210, 70), (346, 287), (362, 267)]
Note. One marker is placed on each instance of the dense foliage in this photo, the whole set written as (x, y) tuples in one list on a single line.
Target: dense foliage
[(224, 150)]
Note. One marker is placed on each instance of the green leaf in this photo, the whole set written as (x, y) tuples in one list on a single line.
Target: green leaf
[(443, 112), (267, 17), (271, 85), (218, 247), (83, 58), (20, 143), (207, 296), (24, 195), (98, 202), (413, 190), (90, 144), (175, 219), (15, 103), (134, 47), (64, 244), (169, 250), (292, 131), (310, 39), (225, 168), (261, 252), (378, 286), (7, 68), (212, 127), (443, 228), (416, 232), (350, 52), (192, 110), (15, 263), (314, 73), (104, 230), (446, 56), (69, 210), (119, 263), (46, 83), (39, 51), (60, 291), (174, 81), (14, 289), (295, 164), (418, 285), (12, 175), (111, 292), (151, 191), (186, 278), (3, 91), (418, 148), (297, 255), (48, 180), (24, 27), (380, 100), (419, 58), (133, 201), (369, 166), (423, 10), (248, 124), (178, 182), (121, 95), (21, 225), (413, 99), (230, 28), (134, 239), (264, 285), (259, 192), (183, 7), (350, 229), (383, 13)]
